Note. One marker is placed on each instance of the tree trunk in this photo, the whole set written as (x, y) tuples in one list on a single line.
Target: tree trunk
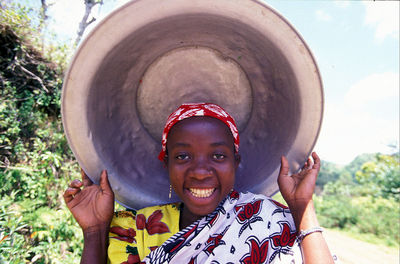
[(89, 4)]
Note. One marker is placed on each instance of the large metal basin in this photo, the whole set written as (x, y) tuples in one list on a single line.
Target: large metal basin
[(150, 56)]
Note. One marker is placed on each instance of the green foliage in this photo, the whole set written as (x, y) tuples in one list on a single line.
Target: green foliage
[(360, 214), (30, 232), (329, 172), (364, 199), (26, 23), (355, 165), (35, 161), (361, 197), (19, 18), (381, 174)]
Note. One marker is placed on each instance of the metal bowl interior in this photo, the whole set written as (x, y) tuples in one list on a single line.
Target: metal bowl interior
[(150, 56)]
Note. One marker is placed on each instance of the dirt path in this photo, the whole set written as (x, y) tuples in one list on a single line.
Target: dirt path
[(353, 251)]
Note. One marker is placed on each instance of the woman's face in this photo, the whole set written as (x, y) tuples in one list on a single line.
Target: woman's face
[(201, 163)]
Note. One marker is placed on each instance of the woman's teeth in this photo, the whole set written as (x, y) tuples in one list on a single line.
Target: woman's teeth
[(201, 193)]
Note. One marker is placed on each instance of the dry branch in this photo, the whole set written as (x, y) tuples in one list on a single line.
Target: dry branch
[(89, 4)]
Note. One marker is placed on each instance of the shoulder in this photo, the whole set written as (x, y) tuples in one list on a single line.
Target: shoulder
[(167, 213), (128, 217), (133, 233), (279, 222), (269, 208), (167, 208), (123, 218), (267, 201)]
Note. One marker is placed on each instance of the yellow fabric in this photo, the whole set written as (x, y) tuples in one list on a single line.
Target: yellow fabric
[(149, 228)]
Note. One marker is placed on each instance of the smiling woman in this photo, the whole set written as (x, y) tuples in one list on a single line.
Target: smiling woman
[(213, 222), (201, 164)]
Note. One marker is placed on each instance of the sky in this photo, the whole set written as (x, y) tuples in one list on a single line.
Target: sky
[(356, 46)]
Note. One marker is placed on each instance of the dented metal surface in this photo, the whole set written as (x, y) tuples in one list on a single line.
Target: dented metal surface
[(150, 56)]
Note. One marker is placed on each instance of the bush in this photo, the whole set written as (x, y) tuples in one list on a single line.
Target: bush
[(36, 163), (37, 234), (336, 212), (361, 214)]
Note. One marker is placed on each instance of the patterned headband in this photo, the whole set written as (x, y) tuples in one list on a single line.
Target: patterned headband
[(198, 109)]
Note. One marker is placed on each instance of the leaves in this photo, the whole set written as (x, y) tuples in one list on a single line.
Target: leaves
[(382, 174), (364, 198), (35, 161)]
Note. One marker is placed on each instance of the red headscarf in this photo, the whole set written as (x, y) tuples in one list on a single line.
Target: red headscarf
[(198, 109)]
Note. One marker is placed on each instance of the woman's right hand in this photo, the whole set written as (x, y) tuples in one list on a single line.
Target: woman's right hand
[(93, 205)]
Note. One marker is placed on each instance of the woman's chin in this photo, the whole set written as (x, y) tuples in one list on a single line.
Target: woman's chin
[(202, 202)]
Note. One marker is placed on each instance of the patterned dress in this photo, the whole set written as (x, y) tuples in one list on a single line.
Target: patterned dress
[(244, 228)]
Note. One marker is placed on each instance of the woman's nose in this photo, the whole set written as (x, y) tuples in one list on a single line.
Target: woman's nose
[(201, 170)]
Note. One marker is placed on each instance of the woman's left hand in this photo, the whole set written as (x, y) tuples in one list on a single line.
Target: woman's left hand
[(298, 189)]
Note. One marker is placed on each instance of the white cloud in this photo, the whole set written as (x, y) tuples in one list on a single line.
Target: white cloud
[(355, 125), (373, 88), (384, 17), (65, 16), (122, 2), (346, 134), (322, 15), (110, 6), (342, 3)]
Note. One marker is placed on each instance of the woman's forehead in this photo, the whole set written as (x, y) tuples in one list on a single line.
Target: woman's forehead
[(200, 124)]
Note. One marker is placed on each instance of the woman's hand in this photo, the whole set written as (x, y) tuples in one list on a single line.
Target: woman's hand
[(92, 206), (298, 189)]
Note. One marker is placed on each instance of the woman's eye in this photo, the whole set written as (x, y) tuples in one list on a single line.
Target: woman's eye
[(219, 156), (182, 157)]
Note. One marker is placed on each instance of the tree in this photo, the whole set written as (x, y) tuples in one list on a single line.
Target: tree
[(329, 172), (43, 20), (35, 161), (382, 174), (356, 164)]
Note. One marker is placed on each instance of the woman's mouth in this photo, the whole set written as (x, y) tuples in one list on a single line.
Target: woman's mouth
[(201, 193)]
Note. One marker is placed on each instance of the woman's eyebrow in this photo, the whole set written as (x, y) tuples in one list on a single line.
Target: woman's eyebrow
[(221, 143), (180, 144)]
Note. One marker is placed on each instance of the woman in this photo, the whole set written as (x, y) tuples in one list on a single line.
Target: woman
[(214, 223)]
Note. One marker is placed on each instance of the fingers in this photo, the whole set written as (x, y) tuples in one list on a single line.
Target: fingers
[(73, 189), (283, 174), (311, 174), (75, 184), (309, 163), (104, 183), (317, 161), (70, 193), (284, 170), (85, 179)]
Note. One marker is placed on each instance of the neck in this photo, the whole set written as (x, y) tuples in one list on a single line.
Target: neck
[(186, 217)]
